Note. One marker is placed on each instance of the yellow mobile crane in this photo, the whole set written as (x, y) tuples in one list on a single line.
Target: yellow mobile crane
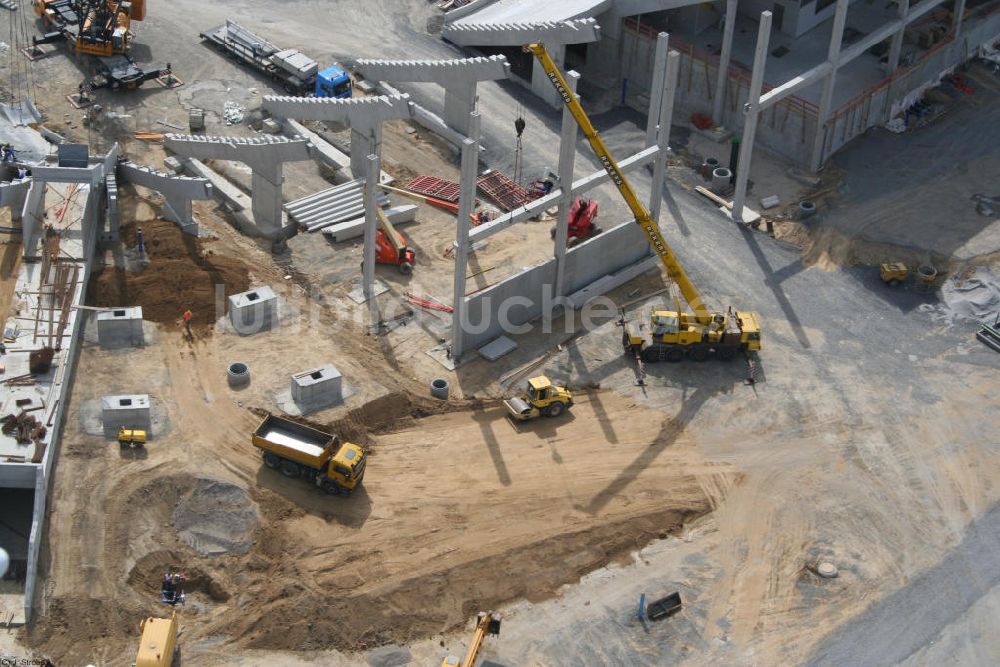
[(487, 623), (670, 335)]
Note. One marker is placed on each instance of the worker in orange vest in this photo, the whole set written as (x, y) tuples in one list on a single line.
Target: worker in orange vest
[(187, 322)]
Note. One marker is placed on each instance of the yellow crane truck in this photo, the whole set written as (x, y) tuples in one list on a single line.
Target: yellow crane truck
[(298, 450), (669, 335)]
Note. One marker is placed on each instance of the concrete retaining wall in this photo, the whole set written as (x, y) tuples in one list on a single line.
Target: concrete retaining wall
[(44, 473), (524, 297)]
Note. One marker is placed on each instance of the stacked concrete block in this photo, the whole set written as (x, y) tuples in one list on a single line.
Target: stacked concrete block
[(121, 327), (125, 411), (317, 388), (253, 311)]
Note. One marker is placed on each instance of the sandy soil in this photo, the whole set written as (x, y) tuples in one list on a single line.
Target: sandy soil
[(459, 509)]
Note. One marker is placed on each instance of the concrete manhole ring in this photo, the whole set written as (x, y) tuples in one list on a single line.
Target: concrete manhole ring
[(827, 570), (439, 389), (238, 374)]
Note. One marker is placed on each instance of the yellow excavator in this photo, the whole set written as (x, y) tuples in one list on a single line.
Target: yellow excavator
[(669, 335), (487, 623)]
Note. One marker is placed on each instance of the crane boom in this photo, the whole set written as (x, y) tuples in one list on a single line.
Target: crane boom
[(641, 213)]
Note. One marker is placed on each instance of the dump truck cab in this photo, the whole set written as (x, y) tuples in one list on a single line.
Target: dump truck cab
[(540, 397), (347, 467)]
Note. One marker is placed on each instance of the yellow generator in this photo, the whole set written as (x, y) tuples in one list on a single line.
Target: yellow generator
[(158, 643), (541, 397), (671, 335), (131, 437)]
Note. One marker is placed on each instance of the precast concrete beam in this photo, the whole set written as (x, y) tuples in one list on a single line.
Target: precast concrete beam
[(178, 191), (264, 154), (578, 31), (353, 111), (364, 115), (459, 78), (441, 72)]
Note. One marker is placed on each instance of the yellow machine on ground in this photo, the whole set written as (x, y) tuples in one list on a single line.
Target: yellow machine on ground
[(158, 643), (487, 623), (670, 335), (94, 27), (298, 450), (131, 437), (540, 397), (894, 273)]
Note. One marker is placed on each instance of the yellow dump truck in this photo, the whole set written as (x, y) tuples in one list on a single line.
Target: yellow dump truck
[(298, 450), (158, 642)]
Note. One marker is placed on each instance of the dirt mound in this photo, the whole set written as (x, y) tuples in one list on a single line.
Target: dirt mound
[(216, 518), (296, 617), (181, 274), (393, 411)]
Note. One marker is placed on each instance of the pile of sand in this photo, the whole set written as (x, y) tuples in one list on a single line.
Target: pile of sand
[(181, 274)]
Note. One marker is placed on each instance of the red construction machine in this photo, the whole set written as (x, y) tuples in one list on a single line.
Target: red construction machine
[(581, 222)]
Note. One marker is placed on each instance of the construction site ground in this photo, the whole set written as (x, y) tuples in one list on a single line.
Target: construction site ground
[(868, 440)]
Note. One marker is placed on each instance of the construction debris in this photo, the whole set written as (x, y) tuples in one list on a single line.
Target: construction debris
[(233, 113), (23, 427)]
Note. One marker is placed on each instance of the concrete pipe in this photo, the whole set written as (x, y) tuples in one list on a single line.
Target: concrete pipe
[(720, 179), (927, 273), (711, 164), (439, 389), (238, 374), (806, 208)]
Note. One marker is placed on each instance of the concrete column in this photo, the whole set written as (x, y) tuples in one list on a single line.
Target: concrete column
[(718, 104), (365, 140), (266, 202), (567, 161), (459, 103), (656, 86), (956, 19), (897, 40), (752, 111), (540, 84), (371, 228), (666, 113), (826, 97), (466, 201)]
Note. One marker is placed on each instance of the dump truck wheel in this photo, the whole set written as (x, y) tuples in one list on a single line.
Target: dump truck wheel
[(331, 487), (289, 469), (675, 354), (271, 461), (406, 268), (699, 353), (894, 282), (554, 410)]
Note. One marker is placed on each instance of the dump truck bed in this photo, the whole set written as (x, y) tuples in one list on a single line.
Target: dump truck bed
[(295, 441)]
